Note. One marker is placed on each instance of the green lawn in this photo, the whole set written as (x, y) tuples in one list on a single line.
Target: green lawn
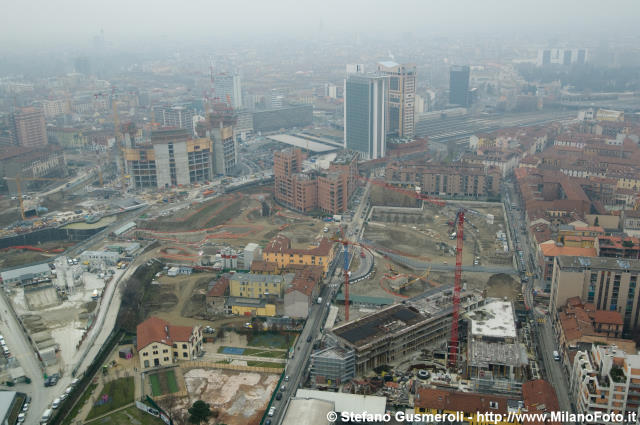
[(120, 391), (171, 382), (155, 385), (163, 383), (266, 364), (271, 340), (68, 420), (128, 416)]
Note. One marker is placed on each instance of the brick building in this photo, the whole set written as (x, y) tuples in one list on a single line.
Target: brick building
[(447, 179), (327, 190)]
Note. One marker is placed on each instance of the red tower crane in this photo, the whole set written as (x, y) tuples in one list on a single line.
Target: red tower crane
[(457, 285)]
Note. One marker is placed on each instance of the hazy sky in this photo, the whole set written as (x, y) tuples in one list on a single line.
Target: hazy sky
[(77, 21)]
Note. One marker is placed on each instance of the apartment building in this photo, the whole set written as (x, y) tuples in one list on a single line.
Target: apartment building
[(172, 159), (280, 252), (580, 324), (446, 179), (606, 379), (328, 190), (607, 283), (162, 344), (29, 128)]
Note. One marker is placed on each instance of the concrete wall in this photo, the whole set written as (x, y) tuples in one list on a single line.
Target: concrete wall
[(296, 304)]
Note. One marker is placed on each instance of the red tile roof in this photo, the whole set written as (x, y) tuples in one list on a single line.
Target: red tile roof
[(608, 317), (155, 329), (539, 396), (219, 287), (432, 398)]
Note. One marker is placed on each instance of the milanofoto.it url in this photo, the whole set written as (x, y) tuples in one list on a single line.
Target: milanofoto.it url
[(485, 417)]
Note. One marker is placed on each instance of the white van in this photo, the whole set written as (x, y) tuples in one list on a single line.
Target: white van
[(556, 356), (46, 416)]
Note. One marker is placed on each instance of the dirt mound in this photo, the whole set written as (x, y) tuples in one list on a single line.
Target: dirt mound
[(502, 285)]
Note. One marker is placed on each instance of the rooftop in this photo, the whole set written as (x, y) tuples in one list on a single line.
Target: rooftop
[(25, 271), (347, 402), (306, 411), (378, 324), (432, 398), (598, 263), (540, 396), (265, 278), (494, 319), (155, 329)]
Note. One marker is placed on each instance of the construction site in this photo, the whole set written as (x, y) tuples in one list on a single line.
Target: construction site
[(415, 249)]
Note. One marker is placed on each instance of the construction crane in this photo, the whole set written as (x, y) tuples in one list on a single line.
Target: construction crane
[(18, 179), (457, 285)]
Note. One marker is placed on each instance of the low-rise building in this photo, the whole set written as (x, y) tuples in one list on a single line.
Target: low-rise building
[(96, 258), (216, 295), (302, 291), (280, 252), (24, 275), (162, 344), (241, 306)]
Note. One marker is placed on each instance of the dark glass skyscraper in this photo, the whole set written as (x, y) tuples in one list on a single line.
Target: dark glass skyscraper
[(459, 85)]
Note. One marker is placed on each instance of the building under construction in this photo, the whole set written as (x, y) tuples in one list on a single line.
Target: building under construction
[(399, 330), (496, 360)]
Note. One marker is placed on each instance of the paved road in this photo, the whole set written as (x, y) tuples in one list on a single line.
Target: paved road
[(297, 367), (544, 333), (21, 349)]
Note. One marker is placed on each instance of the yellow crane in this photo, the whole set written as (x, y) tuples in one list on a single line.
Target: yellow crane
[(411, 282), (18, 179)]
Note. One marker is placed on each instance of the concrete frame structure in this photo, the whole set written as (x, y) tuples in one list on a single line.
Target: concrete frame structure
[(333, 366), (397, 331), (172, 159), (496, 360)]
